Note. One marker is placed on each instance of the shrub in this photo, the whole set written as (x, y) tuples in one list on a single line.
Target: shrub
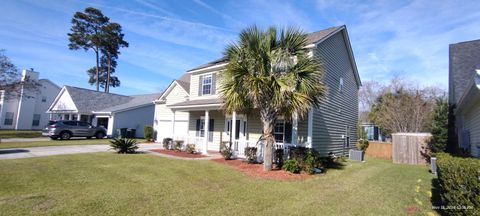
[(124, 145), (190, 148), (148, 132), (279, 158), (166, 143), (298, 153), (226, 150), (178, 145), (362, 144), (291, 166), (251, 154), (306, 158), (459, 182)]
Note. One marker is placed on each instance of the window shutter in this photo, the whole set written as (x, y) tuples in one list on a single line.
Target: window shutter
[(214, 83), (288, 132), (210, 130), (198, 128), (200, 84)]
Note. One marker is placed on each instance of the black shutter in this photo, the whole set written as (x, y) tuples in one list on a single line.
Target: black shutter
[(237, 129), (200, 84), (197, 129), (214, 82), (288, 132), (210, 130)]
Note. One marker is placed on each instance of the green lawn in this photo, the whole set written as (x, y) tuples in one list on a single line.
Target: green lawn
[(4, 134), (4, 145), (111, 184)]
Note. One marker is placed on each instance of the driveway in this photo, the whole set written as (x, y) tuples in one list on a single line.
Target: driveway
[(14, 153)]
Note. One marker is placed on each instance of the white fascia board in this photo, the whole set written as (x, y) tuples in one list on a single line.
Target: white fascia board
[(213, 67)]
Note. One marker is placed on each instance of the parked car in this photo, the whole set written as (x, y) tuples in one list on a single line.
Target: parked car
[(64, 130)]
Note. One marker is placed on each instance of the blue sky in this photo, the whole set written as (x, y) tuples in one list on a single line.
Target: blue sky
[(389, 38)]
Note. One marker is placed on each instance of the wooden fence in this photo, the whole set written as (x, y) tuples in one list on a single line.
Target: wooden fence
[(407, 147), (379, 150)]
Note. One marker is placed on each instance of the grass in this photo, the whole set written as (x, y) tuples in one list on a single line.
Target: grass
[(112, 184), (5, 134), (4, 145)]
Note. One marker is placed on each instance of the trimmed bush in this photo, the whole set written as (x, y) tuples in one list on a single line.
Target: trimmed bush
[(459, 182), (226, 150), (362, 144), (251, 154), (279, 158), (291, 166), (124, 145), (166, 143), (190, 148), (178, 145), (148, 132), (306, 158)]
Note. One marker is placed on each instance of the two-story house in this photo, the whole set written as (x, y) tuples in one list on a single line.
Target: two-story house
[(191, 110), (27, 112)]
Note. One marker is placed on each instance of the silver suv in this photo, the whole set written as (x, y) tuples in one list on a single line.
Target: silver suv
[(64, 130)]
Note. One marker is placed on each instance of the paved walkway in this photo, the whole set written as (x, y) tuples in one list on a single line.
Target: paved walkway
[(14, 153)]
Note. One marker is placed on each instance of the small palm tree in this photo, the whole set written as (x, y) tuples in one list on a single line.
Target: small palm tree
[(124, 145), (271, 71)]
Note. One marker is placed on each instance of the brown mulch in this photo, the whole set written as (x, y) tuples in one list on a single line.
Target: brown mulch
[(178, 153), (256, 170)]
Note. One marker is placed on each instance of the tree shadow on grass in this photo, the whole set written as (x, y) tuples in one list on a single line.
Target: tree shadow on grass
[(435, 199), (13, 151), (336, 165)]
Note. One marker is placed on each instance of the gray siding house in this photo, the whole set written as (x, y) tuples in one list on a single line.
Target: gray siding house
[(464, 93), (190, 108), (112, 111)]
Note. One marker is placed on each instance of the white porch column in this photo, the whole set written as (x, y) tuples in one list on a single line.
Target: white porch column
[(206, 126), (310, 128), (295, 129), (173, 125), (234, 126), (78, 117)]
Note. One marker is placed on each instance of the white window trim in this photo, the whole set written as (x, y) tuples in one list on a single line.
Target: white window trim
[(204, 76)]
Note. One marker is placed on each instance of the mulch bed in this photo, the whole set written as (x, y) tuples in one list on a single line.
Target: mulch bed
[(256, 170), (178, 153)]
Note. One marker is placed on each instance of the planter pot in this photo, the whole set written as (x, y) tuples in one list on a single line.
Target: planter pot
[(356, 155)]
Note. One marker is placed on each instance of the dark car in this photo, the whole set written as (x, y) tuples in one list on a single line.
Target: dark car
[(64, 130)]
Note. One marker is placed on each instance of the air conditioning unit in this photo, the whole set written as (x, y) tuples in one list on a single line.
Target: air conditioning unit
[(355, 155)]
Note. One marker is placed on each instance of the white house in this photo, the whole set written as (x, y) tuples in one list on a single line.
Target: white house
[(191, 109), (112, 111), (28, 113)]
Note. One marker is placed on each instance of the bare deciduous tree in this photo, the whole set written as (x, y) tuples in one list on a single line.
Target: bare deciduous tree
[(11, 81)]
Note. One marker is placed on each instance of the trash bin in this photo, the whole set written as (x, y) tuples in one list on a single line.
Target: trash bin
[(131, 133), (122, 132)]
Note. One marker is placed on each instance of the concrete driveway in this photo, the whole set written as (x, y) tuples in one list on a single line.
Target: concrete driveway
[(14, 153)]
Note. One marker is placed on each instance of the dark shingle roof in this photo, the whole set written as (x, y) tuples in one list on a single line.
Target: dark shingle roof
[(311, 39), (464, 59), (184, 82), (87, 100)]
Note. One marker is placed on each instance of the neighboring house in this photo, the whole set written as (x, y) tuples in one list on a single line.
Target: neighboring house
[(112, 111), (464, 93), (28, 111), (191, 110), (373, 132)]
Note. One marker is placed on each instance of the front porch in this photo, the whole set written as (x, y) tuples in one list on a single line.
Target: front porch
[(240, 129)]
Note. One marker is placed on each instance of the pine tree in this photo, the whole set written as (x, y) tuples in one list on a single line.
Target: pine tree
[(440, 125)]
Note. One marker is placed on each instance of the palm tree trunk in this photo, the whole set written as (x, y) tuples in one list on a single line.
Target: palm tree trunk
[(96, 76), (107, 85), (268, 119)]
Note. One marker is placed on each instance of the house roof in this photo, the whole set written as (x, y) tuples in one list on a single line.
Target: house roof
[(135, 101), (463, 60), (312, 38), (184, 82), (87, 100), (211, 101)]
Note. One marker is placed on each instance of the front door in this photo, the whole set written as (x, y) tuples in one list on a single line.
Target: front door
[(102, 122)]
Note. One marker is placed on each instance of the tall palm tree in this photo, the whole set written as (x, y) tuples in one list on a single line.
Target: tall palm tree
[(271, 71)]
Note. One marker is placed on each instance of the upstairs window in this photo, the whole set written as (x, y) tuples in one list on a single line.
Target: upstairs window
[(207, 84)]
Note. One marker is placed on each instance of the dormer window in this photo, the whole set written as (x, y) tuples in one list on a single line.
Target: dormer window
[(207, 84)]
